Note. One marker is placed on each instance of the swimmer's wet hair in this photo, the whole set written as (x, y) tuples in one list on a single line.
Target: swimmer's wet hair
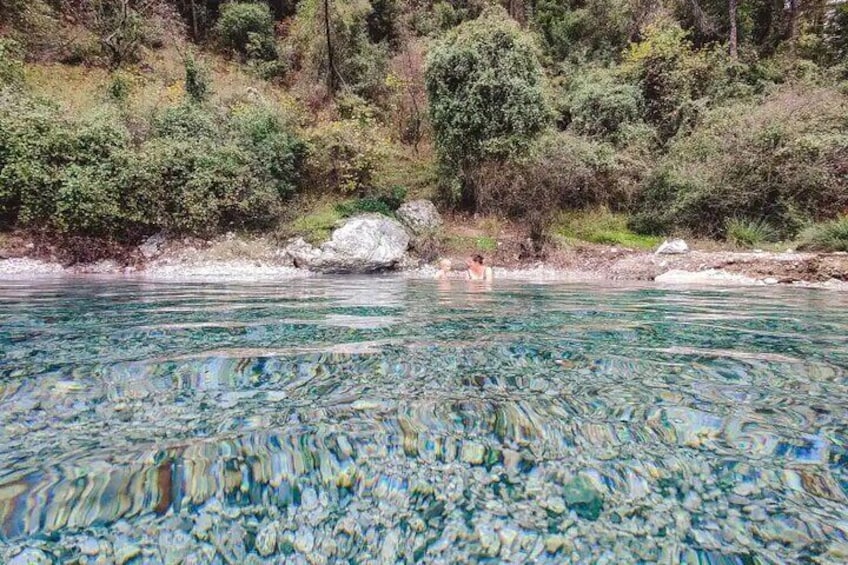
[(477, 259)]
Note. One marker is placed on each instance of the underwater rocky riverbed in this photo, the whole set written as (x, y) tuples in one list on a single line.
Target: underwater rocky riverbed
[(383, 420)]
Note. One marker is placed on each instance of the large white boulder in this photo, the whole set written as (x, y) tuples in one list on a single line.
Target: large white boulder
[(419, 216), (363, 244)]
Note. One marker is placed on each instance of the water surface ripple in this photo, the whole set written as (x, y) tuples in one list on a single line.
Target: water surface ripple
[(388, 420)]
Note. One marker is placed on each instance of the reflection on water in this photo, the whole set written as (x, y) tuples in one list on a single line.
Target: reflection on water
[(383, 419)]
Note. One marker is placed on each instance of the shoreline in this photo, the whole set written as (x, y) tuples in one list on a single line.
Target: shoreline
[(239, 258), (211, 270)]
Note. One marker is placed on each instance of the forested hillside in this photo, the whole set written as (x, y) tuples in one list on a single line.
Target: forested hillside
[(724, 119)]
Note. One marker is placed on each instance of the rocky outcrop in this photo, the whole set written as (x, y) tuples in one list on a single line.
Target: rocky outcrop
[(363, 244), (419, 216)]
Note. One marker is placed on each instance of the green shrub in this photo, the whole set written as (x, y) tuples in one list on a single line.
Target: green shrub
[(363, 206), (197, 173), (749, 233), (119, 87), (316, 225), (277, 154), (11, 63), (781, 159), (826, 236), (448, 14), (485, 87), (346, 155), (88, 201), (197, 85), (247, 28), (672, 76), (573, 28), (564, 171), (55, 173), (601, 104), (386, 202), (187, 121)]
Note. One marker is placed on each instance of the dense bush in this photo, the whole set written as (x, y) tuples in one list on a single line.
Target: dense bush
[(197, 84), (782, 159), (563, 171), (196, 172), (345, 156), (574, 28), (600, 104), (53, 170), (247, 28), (11, 63), (487, 101)]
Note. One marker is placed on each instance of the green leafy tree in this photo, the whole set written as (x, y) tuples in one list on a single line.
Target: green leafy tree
[(486, 92), (577, 27), (247, 28)]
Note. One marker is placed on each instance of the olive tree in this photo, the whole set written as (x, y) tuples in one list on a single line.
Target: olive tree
[(486, 91)]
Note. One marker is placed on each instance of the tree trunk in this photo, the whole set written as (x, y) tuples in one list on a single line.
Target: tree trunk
[(734, 39), (331, 64), (194, 30), (794, 6)]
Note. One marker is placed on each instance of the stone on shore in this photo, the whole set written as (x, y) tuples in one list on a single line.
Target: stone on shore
[(673, 247), (363, 244), (152, 246), (419, 216)]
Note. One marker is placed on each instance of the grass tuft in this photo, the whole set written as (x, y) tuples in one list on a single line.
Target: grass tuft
[(317, 225), (745, 232), (602, 226), (826, 236)]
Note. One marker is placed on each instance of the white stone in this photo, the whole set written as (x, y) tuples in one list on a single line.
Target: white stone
[(673, 247), (363, 244)]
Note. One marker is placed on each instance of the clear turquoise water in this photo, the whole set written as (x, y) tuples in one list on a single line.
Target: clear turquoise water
[(391, 420)]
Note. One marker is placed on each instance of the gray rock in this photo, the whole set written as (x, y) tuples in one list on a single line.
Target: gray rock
[(89, 546), (30, 556), (125, 551), (419, 216), (266, 540), (673, 247), (363, 244), (582, 497), (174, 547), (152, 246)]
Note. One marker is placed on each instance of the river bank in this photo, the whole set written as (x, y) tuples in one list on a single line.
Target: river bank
[(260, 258)]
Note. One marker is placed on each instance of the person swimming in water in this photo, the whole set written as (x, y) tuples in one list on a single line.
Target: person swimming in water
[(445, 266), (477, 271)]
